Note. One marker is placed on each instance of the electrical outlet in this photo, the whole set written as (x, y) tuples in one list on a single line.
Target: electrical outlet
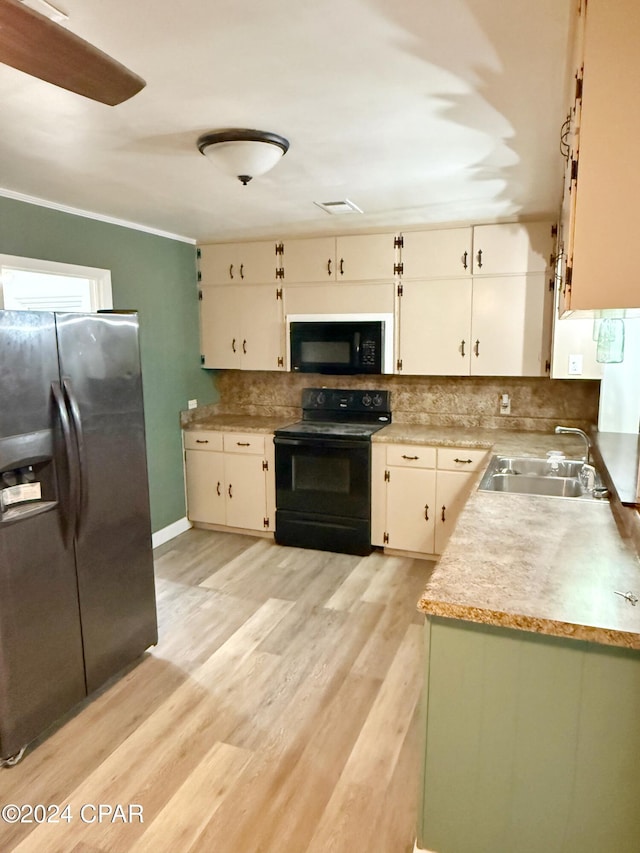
[(192, 404), (505, 404), (575, 365)]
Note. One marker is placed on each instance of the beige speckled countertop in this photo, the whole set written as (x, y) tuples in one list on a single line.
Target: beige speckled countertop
[(547, 565), (239, 423)]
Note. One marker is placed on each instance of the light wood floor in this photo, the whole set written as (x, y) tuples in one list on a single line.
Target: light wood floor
[(276, 715)]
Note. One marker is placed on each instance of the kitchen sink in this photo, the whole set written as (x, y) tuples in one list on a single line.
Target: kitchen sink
[(554, 476)]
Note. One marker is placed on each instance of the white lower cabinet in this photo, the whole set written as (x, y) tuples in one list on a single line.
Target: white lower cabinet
[(230, 479), (417, 494)]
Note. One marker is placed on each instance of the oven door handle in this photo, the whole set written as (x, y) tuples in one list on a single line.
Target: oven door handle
[(320, 443)]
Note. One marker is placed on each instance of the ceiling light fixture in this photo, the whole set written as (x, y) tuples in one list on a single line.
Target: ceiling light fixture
[(243, 154)]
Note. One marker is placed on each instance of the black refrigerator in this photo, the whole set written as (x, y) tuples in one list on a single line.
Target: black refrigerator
[(77, 597)]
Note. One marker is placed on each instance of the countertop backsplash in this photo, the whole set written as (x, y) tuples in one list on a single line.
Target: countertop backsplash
[(537, 404)]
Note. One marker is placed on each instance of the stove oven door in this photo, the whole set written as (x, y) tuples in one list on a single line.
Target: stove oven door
[(323, 489)]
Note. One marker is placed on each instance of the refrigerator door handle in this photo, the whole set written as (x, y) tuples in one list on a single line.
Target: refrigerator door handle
[(71, 456), (83, 491)]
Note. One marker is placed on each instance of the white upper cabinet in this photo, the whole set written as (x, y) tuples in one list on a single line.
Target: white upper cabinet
[(311, 260), (435, 327), (513, 248), (241, 263), (510, 326), (242, 327), (443, 253), (366, 257), (493, 326), (602, 238)]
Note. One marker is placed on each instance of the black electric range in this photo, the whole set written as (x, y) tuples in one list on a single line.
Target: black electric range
[(323, 470)]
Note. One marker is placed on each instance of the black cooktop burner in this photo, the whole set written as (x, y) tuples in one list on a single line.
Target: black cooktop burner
[(336, 413), (329, 429)]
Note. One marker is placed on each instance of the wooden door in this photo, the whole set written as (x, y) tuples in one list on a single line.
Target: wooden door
[(441, 253), (309, 260), (364, 257), (205, 486), (220, 326), (411, 508), (512, 248), (509, 328), (435, 327), (246, 503)]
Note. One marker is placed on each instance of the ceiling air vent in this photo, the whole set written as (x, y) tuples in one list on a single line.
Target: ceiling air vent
[(338, 208)]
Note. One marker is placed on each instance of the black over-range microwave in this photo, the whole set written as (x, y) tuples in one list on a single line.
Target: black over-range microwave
[(339, 345)]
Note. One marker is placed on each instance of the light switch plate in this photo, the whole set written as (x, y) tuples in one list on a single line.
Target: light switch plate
[(192, 404)]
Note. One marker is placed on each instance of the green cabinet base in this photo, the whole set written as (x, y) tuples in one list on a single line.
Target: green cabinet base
[(532, 743)]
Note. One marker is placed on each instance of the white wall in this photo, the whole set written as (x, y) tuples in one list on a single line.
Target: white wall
[(620, 387)]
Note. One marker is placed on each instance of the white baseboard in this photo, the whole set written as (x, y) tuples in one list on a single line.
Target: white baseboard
[(167, 533)]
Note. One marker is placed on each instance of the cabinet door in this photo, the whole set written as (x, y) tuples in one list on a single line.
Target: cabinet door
[(310, 260), (246, 504), (219, 263), (220, 331), (340, 299), (439, 254), (452, 489), (411, 509), (262, 343), (259, 262), (363, 257), (205, 486), (604, 273), (248, 263), (435, 327), (512, 248), (510, 325)]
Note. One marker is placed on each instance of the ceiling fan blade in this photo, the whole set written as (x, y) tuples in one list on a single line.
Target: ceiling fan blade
[(32, 43)]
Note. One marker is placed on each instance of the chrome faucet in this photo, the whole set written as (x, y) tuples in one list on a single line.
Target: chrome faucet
[(575, 431)]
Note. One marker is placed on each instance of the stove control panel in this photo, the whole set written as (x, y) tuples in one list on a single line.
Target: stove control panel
[(352, 400)]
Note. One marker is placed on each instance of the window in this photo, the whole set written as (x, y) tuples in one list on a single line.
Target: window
[(29, 284)]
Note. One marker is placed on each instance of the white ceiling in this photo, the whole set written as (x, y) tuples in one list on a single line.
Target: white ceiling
[(419, 111)]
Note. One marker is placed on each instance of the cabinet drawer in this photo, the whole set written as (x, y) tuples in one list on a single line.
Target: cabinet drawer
[(244, 442), (461, 458), (411, 455), (202, 439)]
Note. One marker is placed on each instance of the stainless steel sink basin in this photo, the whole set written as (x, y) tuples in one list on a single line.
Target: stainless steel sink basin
[(551, 477)]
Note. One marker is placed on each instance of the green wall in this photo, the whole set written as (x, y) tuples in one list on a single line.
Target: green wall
[(156, 276)]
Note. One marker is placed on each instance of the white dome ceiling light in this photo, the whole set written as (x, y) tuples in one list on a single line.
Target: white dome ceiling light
[(243, 154)]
